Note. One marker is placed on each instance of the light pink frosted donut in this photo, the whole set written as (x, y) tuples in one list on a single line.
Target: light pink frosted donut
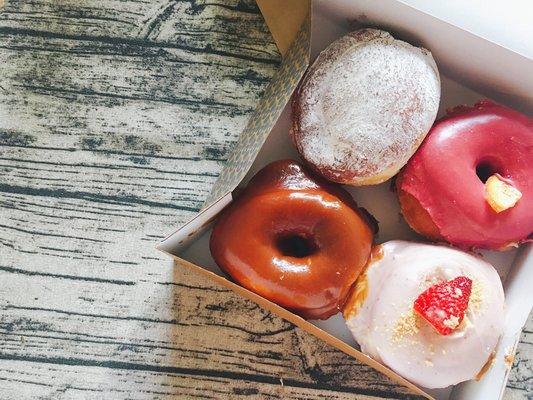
[(380, 313)]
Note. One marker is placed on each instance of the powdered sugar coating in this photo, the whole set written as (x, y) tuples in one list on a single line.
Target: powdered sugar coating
[(364, 107)]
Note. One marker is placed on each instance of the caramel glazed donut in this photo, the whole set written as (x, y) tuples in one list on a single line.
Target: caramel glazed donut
[(294, 239), (471, 181), (382, 318), (364, 107)]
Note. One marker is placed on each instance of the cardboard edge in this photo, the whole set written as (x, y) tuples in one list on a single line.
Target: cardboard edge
[(302, 324), (187, 233), (282, 21)]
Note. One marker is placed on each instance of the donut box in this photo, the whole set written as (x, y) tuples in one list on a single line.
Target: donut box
[(301, 30)]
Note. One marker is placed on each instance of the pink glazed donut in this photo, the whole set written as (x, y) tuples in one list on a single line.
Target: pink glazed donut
[(470, 183)]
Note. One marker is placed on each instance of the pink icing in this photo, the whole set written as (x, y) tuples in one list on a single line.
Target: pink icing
[(442, 175)]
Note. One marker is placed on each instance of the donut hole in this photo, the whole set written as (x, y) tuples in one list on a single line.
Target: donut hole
[(485, 169), (296, 245)]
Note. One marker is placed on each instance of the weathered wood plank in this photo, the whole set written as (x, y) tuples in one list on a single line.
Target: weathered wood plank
[(520, 384), (22, 380), (205, 329), (160, 94), (231, 28), (132, 139)]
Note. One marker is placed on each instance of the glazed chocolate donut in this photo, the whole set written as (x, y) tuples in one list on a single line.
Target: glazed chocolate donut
[(294, 239), (364, 107), (471, 181)]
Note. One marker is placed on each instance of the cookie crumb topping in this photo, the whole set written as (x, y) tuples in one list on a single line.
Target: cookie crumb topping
[(476, 296), (406, 325)]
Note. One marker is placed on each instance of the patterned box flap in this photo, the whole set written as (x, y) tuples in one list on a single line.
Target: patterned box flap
[(276, 96), (261, 122)]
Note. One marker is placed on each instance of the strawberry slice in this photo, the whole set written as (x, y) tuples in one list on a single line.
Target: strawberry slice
[(443, 305)]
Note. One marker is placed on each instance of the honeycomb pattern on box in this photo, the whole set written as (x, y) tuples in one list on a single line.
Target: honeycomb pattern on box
[(276, 96)]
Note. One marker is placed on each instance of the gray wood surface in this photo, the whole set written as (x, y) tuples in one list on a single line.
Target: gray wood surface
[(115, 120)]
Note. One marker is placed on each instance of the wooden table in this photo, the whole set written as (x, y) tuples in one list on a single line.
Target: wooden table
[(115, 120)]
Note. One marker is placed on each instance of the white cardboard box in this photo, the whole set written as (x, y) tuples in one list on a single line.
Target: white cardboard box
[(469, 64)]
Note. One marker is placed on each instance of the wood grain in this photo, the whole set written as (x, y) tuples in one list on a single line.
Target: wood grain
[(115, 120)]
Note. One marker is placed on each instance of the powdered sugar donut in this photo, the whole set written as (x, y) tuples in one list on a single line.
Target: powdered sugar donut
[(383, 316), (364, 107)]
